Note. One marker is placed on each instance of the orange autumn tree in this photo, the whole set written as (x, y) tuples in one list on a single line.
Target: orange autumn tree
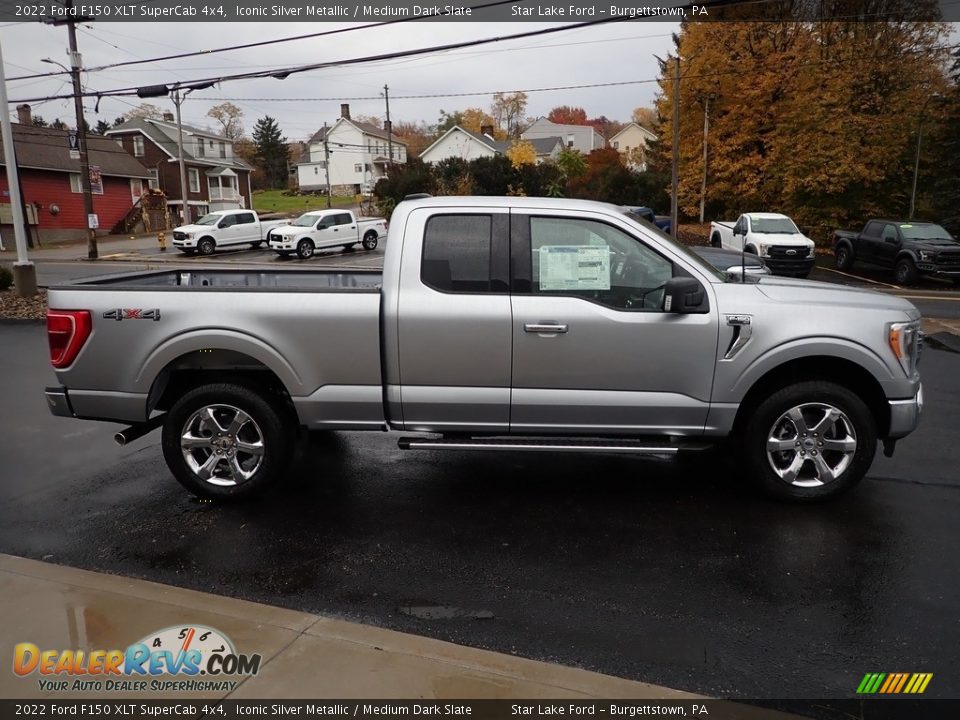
[(812, 119)]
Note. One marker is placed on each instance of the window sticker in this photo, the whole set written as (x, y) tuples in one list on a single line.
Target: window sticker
[(574, 267)]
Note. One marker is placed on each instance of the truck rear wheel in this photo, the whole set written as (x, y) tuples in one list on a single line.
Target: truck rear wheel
[(370, 241), (715, 240), (809, 441), (225, 441), (843, 257)]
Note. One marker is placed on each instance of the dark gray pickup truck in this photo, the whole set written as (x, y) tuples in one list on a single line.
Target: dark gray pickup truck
[(909, 248)]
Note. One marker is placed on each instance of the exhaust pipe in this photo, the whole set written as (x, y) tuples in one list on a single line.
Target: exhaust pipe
[(124, 437)]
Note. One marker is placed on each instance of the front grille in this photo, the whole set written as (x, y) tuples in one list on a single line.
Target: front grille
[(949, 259), (179, 236), (787, 252)]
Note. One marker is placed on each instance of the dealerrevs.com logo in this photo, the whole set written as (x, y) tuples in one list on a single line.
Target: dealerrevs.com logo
[(190, 658)]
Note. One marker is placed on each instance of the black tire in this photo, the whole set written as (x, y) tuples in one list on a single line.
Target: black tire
[(187, 251), (256, 244), (955, 281), (793, 474), (305, 249), (206, 246), (715, 240), (750, 249), (843, 257), (370, 241), (265, 425), (905, 272), (349, 247), (283, 254)]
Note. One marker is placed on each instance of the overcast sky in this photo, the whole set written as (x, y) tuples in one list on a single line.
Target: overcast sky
[(610, 53)]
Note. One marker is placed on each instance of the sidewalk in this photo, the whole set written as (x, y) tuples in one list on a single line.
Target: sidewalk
[(304, 656), (106, 245)]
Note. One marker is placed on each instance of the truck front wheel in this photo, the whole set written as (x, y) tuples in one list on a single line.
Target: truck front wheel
[(905, 272), (206, 246), (809, 441), (225, 442), (305, 249)]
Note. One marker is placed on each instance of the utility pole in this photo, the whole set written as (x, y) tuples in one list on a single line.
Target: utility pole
[(386, 96), (177, 100), (326, 161), (24, 271), (75, 65), (675, 172), (706, 129)]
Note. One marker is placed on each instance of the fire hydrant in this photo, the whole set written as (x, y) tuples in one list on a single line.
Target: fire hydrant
[(162, 239)]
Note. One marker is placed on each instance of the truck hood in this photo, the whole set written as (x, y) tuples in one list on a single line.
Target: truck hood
[(782, 239), (195, 228), (829, 295), (937, 244), (286, 231)]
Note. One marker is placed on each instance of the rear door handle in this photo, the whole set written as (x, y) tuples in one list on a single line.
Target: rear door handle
[(545, 328)]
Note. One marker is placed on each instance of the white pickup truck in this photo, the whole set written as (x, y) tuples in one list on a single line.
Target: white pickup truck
[(772, 236), (223, 228), (326, 228)]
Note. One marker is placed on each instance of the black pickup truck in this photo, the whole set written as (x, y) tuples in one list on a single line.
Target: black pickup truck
[(909, 248)]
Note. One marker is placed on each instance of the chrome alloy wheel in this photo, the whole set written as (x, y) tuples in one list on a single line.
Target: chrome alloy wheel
[(811, 445), (222, 445)]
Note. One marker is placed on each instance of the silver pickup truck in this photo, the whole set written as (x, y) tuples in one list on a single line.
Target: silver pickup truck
[(497, 324)]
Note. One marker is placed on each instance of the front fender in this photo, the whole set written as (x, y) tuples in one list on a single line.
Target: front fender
[(810, 347)]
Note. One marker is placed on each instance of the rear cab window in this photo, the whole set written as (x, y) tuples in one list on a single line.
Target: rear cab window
[(460, 255)]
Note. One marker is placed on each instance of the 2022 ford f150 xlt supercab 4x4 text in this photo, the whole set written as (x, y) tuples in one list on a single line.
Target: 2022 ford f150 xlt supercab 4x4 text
[(496, 324)]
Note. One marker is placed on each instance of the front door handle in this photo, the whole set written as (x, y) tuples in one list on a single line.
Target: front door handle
[(545, 328)]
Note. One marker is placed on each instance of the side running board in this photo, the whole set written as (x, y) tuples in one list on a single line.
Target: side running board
[(607, 445)]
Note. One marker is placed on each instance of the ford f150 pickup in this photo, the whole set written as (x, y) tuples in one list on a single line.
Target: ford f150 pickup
[(773, 237), (326, 228), (908, 248), (223, 228), (497, 324)]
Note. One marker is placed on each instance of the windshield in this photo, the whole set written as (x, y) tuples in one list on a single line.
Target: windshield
[(211, 219), (679, 247), (927, 231), (769, 226), (305, 221)]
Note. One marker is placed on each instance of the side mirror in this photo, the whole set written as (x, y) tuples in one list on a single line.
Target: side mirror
[(683, 295)]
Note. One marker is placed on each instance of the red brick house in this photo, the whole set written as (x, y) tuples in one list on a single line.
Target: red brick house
[(216, 178), (52, 191)]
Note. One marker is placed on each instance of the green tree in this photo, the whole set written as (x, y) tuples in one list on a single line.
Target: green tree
[(59, 124), (101, 127), (271, 154), (38, 121)]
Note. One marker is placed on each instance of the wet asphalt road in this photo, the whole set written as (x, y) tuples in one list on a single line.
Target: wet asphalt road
[(635, 568)]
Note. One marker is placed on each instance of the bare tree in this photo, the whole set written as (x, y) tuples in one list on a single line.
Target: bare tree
[(229, 116)]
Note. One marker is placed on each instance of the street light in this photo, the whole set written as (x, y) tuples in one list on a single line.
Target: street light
[(916, 161)]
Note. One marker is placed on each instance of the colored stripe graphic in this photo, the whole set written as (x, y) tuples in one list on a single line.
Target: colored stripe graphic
[(894, 683)]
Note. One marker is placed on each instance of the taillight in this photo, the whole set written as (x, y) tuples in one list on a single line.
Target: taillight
[(67, 331)]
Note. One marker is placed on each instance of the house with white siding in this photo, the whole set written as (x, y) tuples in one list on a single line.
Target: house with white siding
[(579, 137), (632, 143), (468, 145), (356, 154)]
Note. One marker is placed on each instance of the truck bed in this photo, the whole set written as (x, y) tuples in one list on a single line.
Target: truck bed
[(271, 280)]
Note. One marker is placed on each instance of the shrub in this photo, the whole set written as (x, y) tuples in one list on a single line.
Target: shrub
[(6, 278)]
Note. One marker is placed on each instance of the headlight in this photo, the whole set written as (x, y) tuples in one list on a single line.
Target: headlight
[(762, 248), (904, 341), (927, 255), (188, 236)]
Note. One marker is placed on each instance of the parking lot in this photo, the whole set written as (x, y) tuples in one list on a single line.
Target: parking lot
[(637, 568)]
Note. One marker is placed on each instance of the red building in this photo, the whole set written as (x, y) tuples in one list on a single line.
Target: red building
[(52, 190)]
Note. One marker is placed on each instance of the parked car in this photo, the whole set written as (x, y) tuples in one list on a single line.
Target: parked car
[(223, 228), (732, 261), (496, 324), (661, 221), (772, 236), (326, 228), (910, 248)]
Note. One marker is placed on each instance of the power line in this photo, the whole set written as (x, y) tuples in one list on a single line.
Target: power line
[(263, 43)]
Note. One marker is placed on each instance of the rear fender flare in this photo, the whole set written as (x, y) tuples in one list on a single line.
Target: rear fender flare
[(218, 339)]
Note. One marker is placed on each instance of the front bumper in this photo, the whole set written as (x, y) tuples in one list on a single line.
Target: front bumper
[(283, 244), (183, 243), (58, 402), (905, 415), (951, 272)]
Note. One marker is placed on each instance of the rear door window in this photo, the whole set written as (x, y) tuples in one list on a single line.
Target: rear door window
[(457, 254)]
